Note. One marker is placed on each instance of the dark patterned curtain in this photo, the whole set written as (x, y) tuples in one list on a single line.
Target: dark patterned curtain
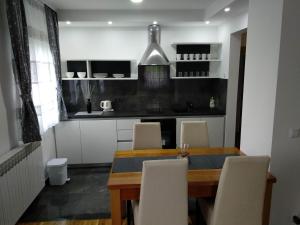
[(19, 41), (53, 36)]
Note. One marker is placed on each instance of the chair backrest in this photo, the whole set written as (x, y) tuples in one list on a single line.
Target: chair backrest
[(147, 136), (194, 133), (164, 196), (241, 191)]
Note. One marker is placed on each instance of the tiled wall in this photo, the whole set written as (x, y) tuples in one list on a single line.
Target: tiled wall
[(152, 92)]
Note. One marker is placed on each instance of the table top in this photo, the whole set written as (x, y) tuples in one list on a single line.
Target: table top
[(195, 177)]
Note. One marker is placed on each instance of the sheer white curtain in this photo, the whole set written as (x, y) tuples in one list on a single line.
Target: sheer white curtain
[(44, 84)]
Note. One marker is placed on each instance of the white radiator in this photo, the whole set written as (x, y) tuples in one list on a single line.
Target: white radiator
[(21, 180)]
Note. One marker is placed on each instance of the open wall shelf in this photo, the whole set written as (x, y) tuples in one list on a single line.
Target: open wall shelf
[(91, 67), (204, 67)]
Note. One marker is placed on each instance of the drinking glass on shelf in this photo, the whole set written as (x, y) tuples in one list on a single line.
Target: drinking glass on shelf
[(197, 73), (178, 56), (202, 73), (197, 56), (191, 56), (185, 56), (191, 73), (185, 74), (179, 74)]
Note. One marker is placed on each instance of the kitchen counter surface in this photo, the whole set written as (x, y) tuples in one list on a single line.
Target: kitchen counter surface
[(144, 114)]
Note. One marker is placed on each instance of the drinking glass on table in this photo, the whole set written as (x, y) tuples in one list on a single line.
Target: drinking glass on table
[(184, 150)]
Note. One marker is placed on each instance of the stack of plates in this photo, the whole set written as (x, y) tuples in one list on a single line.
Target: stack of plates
[(99, 75), (118, 75)]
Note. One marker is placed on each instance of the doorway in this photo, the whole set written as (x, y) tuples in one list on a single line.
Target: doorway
[(239, 105)]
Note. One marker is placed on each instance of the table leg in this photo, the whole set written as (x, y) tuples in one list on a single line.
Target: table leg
[(267, 204), (116, 207)]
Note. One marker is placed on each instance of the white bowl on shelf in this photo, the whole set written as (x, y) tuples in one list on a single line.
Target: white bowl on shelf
[(100, 75), (69, 74), (118, 75), (81, 74)]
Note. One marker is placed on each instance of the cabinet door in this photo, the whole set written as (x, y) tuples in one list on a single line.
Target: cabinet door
[(68, 142), (99, 140), (215, 129), (126, 124), (124, 145)]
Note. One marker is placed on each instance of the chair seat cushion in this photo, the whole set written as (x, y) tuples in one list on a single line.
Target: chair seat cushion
[(207, 206)]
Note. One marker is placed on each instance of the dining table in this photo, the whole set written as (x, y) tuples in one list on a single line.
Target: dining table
[(205, 165)]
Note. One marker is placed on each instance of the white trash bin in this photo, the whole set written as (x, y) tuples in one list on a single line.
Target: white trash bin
[(57, 170)]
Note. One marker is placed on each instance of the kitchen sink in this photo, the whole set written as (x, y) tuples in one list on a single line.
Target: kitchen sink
[(94, 113)]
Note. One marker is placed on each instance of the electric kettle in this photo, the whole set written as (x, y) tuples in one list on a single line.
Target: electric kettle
[(106, 105)]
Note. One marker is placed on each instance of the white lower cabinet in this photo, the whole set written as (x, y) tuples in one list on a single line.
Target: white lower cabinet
[(68, 141), (86, 141), (124, 145), (95, 141), (99, 140), (215, 129)]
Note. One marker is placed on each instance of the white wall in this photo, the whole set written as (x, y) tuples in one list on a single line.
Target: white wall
[(285, 163), (126, 42), (225, 30), (263, 42), (48, 146), (8, 125), (230, 69), (271, 94)]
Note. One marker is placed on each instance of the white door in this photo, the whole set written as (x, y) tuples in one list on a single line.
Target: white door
[(68, 142), (215, 129), (99, 140)]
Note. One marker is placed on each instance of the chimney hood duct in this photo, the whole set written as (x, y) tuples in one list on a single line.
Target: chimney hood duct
[(154, 55)]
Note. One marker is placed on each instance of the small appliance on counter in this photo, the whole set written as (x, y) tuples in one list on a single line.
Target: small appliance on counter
[(106, 106)]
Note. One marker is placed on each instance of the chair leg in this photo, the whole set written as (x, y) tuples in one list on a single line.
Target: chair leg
[(197, 212), (129, 212)]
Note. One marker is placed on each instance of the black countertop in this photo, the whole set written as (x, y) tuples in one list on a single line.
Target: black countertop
[(145, 114)]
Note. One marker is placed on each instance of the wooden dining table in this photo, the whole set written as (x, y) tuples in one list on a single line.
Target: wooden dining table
[(125, 186)]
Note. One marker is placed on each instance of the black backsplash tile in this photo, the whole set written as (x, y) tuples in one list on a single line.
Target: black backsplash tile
[(152, 92)]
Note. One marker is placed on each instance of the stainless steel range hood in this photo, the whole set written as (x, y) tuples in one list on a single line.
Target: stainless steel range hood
[(154, 55)]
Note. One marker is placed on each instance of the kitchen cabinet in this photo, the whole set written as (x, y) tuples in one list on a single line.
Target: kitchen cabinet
[(215, 129), (125, 133), (92, 141), (98, 140), (68, 141), (124, 145), (91, 67), (204, 64), (126, 124)]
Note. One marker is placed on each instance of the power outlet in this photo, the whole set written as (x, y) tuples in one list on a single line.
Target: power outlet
[(294, 133)]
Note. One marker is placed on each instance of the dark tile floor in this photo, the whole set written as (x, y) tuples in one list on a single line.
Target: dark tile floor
[(85, 196)]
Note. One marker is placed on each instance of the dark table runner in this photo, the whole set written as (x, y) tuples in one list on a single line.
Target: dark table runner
[(135, 164)]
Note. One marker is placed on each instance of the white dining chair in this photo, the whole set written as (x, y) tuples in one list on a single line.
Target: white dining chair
[(164, 193), (194, 133), (240, 194), (147, 136)]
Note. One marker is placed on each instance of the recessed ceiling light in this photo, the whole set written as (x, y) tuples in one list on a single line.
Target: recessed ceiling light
[(154, 22), (136, 1), (68, 22), (109, 22), (207, 22), (227, 9)]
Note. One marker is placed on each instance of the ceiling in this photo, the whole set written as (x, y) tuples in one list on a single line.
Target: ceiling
[(127, 5), (125, 13)]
